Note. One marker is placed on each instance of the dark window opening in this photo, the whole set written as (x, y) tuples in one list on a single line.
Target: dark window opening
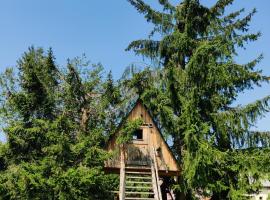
[(138, 134)]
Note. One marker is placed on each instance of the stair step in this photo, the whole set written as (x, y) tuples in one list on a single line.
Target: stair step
[(138, 187), (138, 177), (141, 182), (139, 192), (140, 167), (139, 198), (140, 173)]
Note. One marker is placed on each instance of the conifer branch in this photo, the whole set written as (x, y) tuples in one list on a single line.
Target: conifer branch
[(151, 15), (258, 139), (218, 8), (229, 18), (167, 5), (243, 117), (148, 48)]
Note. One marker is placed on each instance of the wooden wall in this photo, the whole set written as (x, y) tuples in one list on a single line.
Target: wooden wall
[(151, 138)]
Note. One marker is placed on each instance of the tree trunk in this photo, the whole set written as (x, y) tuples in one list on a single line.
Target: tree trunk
[(85, 118)]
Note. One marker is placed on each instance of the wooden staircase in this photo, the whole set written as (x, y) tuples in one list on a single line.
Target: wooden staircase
[(139, 186), (140, 183)]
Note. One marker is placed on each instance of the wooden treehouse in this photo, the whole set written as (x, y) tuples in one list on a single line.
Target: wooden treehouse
[(146, 163)]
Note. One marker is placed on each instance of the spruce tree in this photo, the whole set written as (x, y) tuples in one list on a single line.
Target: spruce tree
[(54, 128), (112, 101), (192, 94)]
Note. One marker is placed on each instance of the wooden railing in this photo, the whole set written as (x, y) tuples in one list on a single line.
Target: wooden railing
[(155, 176), (122, 174), (154, 171)]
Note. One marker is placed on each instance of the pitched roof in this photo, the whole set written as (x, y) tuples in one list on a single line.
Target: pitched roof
[(131, 107)]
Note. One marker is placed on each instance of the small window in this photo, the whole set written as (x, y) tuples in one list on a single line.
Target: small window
[(138, 134)]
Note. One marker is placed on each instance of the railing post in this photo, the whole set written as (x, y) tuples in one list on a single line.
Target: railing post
[(122, 173), (156, 174), (154, 180)]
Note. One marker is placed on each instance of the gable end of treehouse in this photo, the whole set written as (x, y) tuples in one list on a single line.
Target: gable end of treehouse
[(138, 151)]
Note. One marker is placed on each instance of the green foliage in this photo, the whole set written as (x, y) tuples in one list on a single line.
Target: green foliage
[(111, 102), (127, 131), (56, 130), (58, 119), (192, 93)]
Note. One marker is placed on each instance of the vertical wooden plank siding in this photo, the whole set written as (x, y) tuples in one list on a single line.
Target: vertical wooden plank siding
[(151, 138)]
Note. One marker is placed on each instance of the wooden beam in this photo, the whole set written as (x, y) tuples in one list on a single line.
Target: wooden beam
[(122, 174), (156, 173)]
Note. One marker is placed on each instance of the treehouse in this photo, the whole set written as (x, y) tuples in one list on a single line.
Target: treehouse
[(146, 163)]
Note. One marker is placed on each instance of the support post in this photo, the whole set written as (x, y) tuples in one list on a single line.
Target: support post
[(122, 174), (154, 180), (156, 174)]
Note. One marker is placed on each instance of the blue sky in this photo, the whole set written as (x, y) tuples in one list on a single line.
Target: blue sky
[(102, 29)]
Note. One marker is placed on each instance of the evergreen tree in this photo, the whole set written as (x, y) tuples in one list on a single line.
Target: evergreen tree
[(111, 91), (112, 100), (54, 128), (50, 70), (193, 92)]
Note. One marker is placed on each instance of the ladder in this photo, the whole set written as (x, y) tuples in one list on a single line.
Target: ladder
[(140, 184)]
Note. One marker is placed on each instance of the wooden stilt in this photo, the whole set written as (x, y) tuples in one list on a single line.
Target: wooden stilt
[(122, 174)]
